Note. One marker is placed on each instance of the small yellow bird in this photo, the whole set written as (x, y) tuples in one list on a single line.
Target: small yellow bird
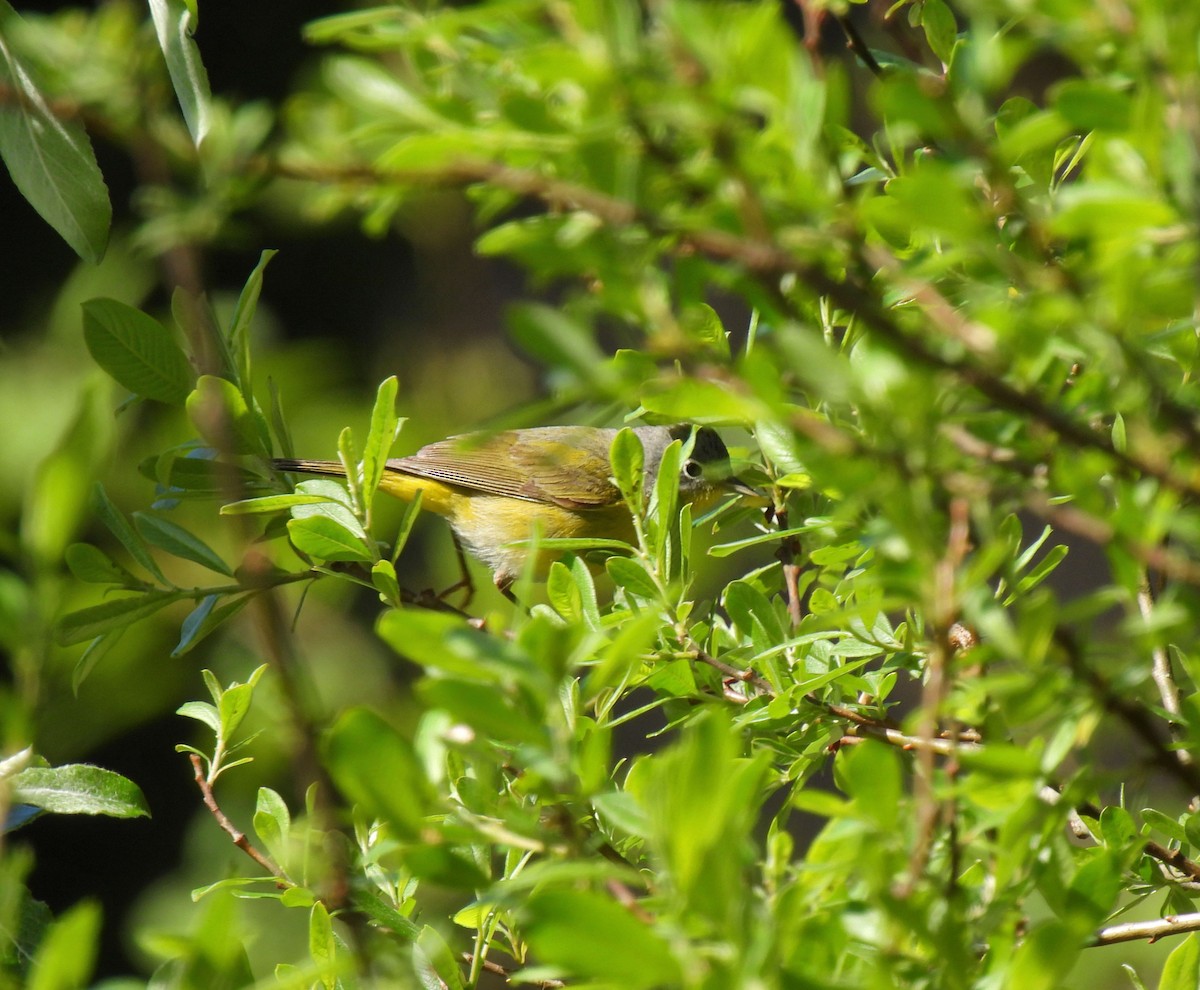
[(496, 489)]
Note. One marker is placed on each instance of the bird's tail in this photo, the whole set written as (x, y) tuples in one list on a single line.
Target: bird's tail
[(333, 468)]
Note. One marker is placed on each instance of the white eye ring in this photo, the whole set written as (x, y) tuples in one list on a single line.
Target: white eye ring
[(693, 470)]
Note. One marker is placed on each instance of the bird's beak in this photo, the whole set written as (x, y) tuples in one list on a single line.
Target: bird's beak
[(735, 486)]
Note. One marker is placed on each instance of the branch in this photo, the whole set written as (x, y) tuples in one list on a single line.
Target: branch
[(238, 837), (1133, 931), (1135, 717), (498, 970), (1164, 680), (855, 293), (789, 551), (943, 610), (855, 43), (1079, 828)]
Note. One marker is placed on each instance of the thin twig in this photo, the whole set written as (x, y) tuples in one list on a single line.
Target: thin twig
[(855, 43), (1168, 563), (1164, 680), (1173, 858), (758, 682), (1135, 931), (238, 837), (943, 610), (1135, 717), (788, 554), (497, 970), (856, 291)]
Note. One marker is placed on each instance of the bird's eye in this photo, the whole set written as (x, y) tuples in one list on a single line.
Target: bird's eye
[(693, 470)]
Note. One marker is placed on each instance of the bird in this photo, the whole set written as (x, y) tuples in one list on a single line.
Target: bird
[(497, 488)]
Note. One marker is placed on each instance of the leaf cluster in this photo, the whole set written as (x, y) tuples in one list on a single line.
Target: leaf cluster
[(950, 331)]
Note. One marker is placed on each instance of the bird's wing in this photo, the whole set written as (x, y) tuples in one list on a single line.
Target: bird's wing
[(545, 464)]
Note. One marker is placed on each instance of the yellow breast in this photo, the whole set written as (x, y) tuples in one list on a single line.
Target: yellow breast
[(488, 525)]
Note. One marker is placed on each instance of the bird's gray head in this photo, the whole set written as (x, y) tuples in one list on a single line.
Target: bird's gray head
[(706, 467)]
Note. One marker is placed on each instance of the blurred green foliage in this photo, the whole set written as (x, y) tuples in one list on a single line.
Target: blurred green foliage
[(938, 290)]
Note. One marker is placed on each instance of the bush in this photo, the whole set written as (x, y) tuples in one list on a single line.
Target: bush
[(930, 270)]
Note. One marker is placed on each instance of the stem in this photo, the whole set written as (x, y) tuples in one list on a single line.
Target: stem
[(238, 837)]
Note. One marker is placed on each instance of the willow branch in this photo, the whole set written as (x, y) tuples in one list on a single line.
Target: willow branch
[(1135, 931), (1136, 718), (855, 293), (1164, 679), (238, 837)]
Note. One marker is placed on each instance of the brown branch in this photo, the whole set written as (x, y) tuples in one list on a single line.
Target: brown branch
[(789, 551), (855, 43), (497, 970), (757, 681), (1164, 680), (1173, 858), (238, 837), (943, 610), (855, 293), (1134, 931), (1133, 715)]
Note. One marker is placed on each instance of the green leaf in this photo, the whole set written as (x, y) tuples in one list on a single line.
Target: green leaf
[(114, 519), (432, 951), (322, 946), (628, 461), (75, 627), (940, 29), (383, 576), (632, 576), (49, 156), (326, 539), (592, 937), (235, 702), (197, 472), (703, 324), (201, 711), (1119, 440), (243, 317), (384, 427), (1169, 827), (222, 417), (702, 402), (205, 619), (384, 914), (725, 549), (137, 351), (1045, 567), (377, 769), (67, 952), (174, 24), (491, 714), (563, 593), (97, 650), (272, 822), (753, 614), (665, 502), (55, 504), (621, 810), (552, 336), (1044, 957), (78, 789), (1181, 971), (411, 511), (444, 642), (1092, 105), (272, 503), (92, 565), (176, 540)]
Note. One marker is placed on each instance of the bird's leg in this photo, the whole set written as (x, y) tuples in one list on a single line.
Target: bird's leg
[(464, 582), (504, 583)]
